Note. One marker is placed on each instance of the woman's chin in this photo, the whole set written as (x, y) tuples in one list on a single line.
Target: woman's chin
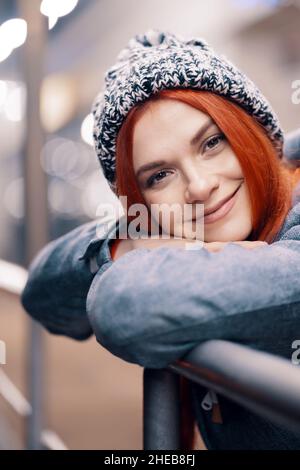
[(226, 239)]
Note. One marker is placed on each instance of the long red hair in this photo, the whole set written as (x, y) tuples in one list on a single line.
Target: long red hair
[(270, 181)]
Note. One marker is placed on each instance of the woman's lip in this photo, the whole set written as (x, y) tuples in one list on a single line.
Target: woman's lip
[(220, 205), (222, 211)]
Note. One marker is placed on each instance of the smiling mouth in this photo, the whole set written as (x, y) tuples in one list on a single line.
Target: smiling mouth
[(221, 211)]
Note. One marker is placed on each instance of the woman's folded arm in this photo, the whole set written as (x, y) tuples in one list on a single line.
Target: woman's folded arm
[(58, 283), (153, 306)]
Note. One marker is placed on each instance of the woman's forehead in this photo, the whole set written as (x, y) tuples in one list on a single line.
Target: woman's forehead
[(167, 111), (164, 126)]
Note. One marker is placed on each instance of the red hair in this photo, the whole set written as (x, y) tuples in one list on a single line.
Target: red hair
[(270, 181)]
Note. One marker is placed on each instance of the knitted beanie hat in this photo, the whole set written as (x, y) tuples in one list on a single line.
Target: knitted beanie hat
[(159, 60)]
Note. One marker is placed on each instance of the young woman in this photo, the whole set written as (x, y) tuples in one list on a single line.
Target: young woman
[(178, 124)]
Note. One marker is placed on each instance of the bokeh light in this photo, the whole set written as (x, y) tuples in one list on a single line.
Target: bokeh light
[(13, 34), (63, 198), (96, 192), (65, 158), (54, 9), (13, 198), (3, 92), (87, 129), (58, 101), (14, 106)]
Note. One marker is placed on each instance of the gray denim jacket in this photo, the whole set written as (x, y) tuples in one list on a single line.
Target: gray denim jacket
[(151, 307), (59, 279)]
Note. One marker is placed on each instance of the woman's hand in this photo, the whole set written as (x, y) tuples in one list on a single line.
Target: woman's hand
[(128, 244), (151, 243), (218, 246)]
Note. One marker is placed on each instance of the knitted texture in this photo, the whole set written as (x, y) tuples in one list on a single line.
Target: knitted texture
[(159, 60)]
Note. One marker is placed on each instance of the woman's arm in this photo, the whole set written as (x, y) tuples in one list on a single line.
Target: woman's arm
[(158, 304), (61, 274), (58, 283), (127, 245)]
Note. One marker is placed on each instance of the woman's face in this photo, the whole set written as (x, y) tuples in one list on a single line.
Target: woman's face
[(195, 165)]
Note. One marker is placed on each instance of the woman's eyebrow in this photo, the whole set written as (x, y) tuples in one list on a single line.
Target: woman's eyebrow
[(150, 166), (193, 142), (202, 131)]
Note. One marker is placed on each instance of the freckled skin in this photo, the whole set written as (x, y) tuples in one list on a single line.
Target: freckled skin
[(204, 173)]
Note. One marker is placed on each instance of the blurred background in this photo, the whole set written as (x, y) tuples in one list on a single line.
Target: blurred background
[(90, 398)]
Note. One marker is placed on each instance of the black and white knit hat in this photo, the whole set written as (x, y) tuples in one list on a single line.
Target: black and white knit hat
[(159, 60)]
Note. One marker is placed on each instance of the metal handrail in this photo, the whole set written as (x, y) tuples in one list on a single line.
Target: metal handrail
[(266, 384)]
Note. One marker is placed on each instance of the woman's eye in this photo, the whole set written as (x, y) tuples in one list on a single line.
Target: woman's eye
[(213, 142), (154, 179)]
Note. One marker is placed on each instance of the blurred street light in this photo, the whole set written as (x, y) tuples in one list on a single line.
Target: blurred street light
[(58, 101), (3, 92), (5, 51), (52, 20), (87, 129), (54, 9), (14, 105), (13, 34)]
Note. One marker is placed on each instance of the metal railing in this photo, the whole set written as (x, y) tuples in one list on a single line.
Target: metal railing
[(266, 384)]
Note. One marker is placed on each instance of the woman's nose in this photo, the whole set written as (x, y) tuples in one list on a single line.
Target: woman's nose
[(199, 188)]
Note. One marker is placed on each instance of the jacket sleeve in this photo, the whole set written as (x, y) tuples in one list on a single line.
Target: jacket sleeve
[(156, 305), (59, 278)]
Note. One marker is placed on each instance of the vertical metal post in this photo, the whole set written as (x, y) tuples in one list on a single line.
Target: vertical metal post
[(36, 210), (161, 418)]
